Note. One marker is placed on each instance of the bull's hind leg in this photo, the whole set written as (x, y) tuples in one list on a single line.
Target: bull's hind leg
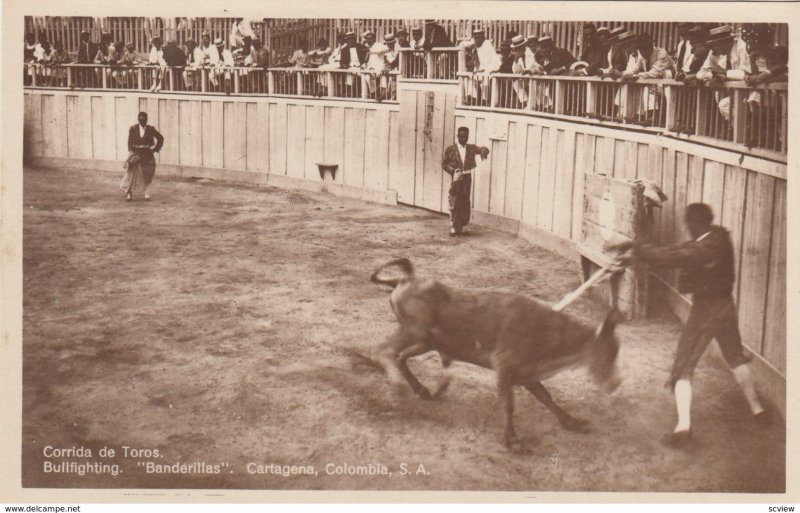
[(566, 420), (505, 393)]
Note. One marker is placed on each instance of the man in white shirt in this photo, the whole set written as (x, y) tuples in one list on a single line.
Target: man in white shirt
[(524, 64), (239, 30), (225, 61), (207, 56), (485, 61), (727, 60)]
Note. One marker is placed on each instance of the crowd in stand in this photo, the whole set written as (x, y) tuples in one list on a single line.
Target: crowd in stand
[(706, 53)]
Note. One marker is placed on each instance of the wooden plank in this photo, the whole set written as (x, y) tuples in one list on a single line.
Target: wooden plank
[(592, 235), (315, 140), (432, 157), (755, 258), (277, 139), (547, 181), (251, 135), (482, 182), (609, 155), (73, 123), (643, 160), (625, 221), (714, 186), (448, 139), (353, 147), (216, 141), (652, 170), (334, 138), (185, 149), (668, 209), (497, 186), (577, 187), (296, 140), (565, 170), (421, 142), (33, 126), (99, 130), (530, 192), (370, 147), (403, 179), (694, 191), (515, 166), (123, 124), (395, 169), (681, 195), (110, 129), (733, 210), (621, 192), (170, 128), (624, 160), (262, 137), (207, 133), (775, 326)]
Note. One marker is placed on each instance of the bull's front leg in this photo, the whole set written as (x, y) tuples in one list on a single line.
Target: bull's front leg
[(409, 352)]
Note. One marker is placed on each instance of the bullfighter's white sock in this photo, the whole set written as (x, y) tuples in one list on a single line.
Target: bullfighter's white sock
[(745, 379), (683, 402)]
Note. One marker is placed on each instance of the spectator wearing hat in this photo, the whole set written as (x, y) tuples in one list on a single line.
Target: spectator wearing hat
[(354, 57), (506, 57), (724, 61), (554, 60), (87, 50), (105, 56), (390, 63), (524, 64), (691, 52), (617, 59), (417, 39), (593, 50), (402, 39), (648, 61), (435, 36), (484, 60), (226, 62)]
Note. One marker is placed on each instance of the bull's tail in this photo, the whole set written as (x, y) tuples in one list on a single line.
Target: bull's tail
[(406, 269), (605, 347)]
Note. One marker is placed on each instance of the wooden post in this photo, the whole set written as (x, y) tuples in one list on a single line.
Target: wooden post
[(560, 96), (671, 97), (236, 80), (495, 96), (70, 84), (331, 83), (739, 114), (299, 75), (703, 104), (401, 62), (429, 64), (591, 98), (140, 78), (104, 81), (270, 82), (462, 59), (532, 90), (365, 83)]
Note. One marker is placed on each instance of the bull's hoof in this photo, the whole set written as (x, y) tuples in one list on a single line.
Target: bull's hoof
[(575, 425)]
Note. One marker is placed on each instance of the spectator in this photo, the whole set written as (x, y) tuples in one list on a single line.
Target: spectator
[(124, 76), (649, 61), (417, 40), (691, 52), (241, 29), (260, 55), (554, 60), (485, 60), (300, 56), (60, 58), (617, 59), (593, 50), (101, 56), (402, 39), (156, 59), (354, 56), (523, 64), (390, 61), (87, 50), (46, 60), (174, 55), (392, 57), (724, 61), (208, 57), (336, 56), (225, 61), (435, 36), (506, 57), (193, 58), (33, 54), (321, 54)]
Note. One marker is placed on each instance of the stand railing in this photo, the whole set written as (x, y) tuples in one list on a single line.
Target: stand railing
[(308, 82), (732, 115), (437, 64)]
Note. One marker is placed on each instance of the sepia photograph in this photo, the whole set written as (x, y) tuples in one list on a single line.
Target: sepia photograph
[(404, 249)]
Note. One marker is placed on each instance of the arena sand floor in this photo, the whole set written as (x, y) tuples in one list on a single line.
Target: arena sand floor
[(217, 325)]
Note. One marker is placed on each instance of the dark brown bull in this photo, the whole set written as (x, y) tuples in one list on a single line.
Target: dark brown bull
[(522, 339)]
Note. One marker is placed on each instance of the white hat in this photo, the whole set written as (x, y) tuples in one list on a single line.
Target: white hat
[(218, 42)]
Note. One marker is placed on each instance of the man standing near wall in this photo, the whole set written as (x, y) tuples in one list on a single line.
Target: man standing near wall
[(707, 272), (143, 142), (458, 162)]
